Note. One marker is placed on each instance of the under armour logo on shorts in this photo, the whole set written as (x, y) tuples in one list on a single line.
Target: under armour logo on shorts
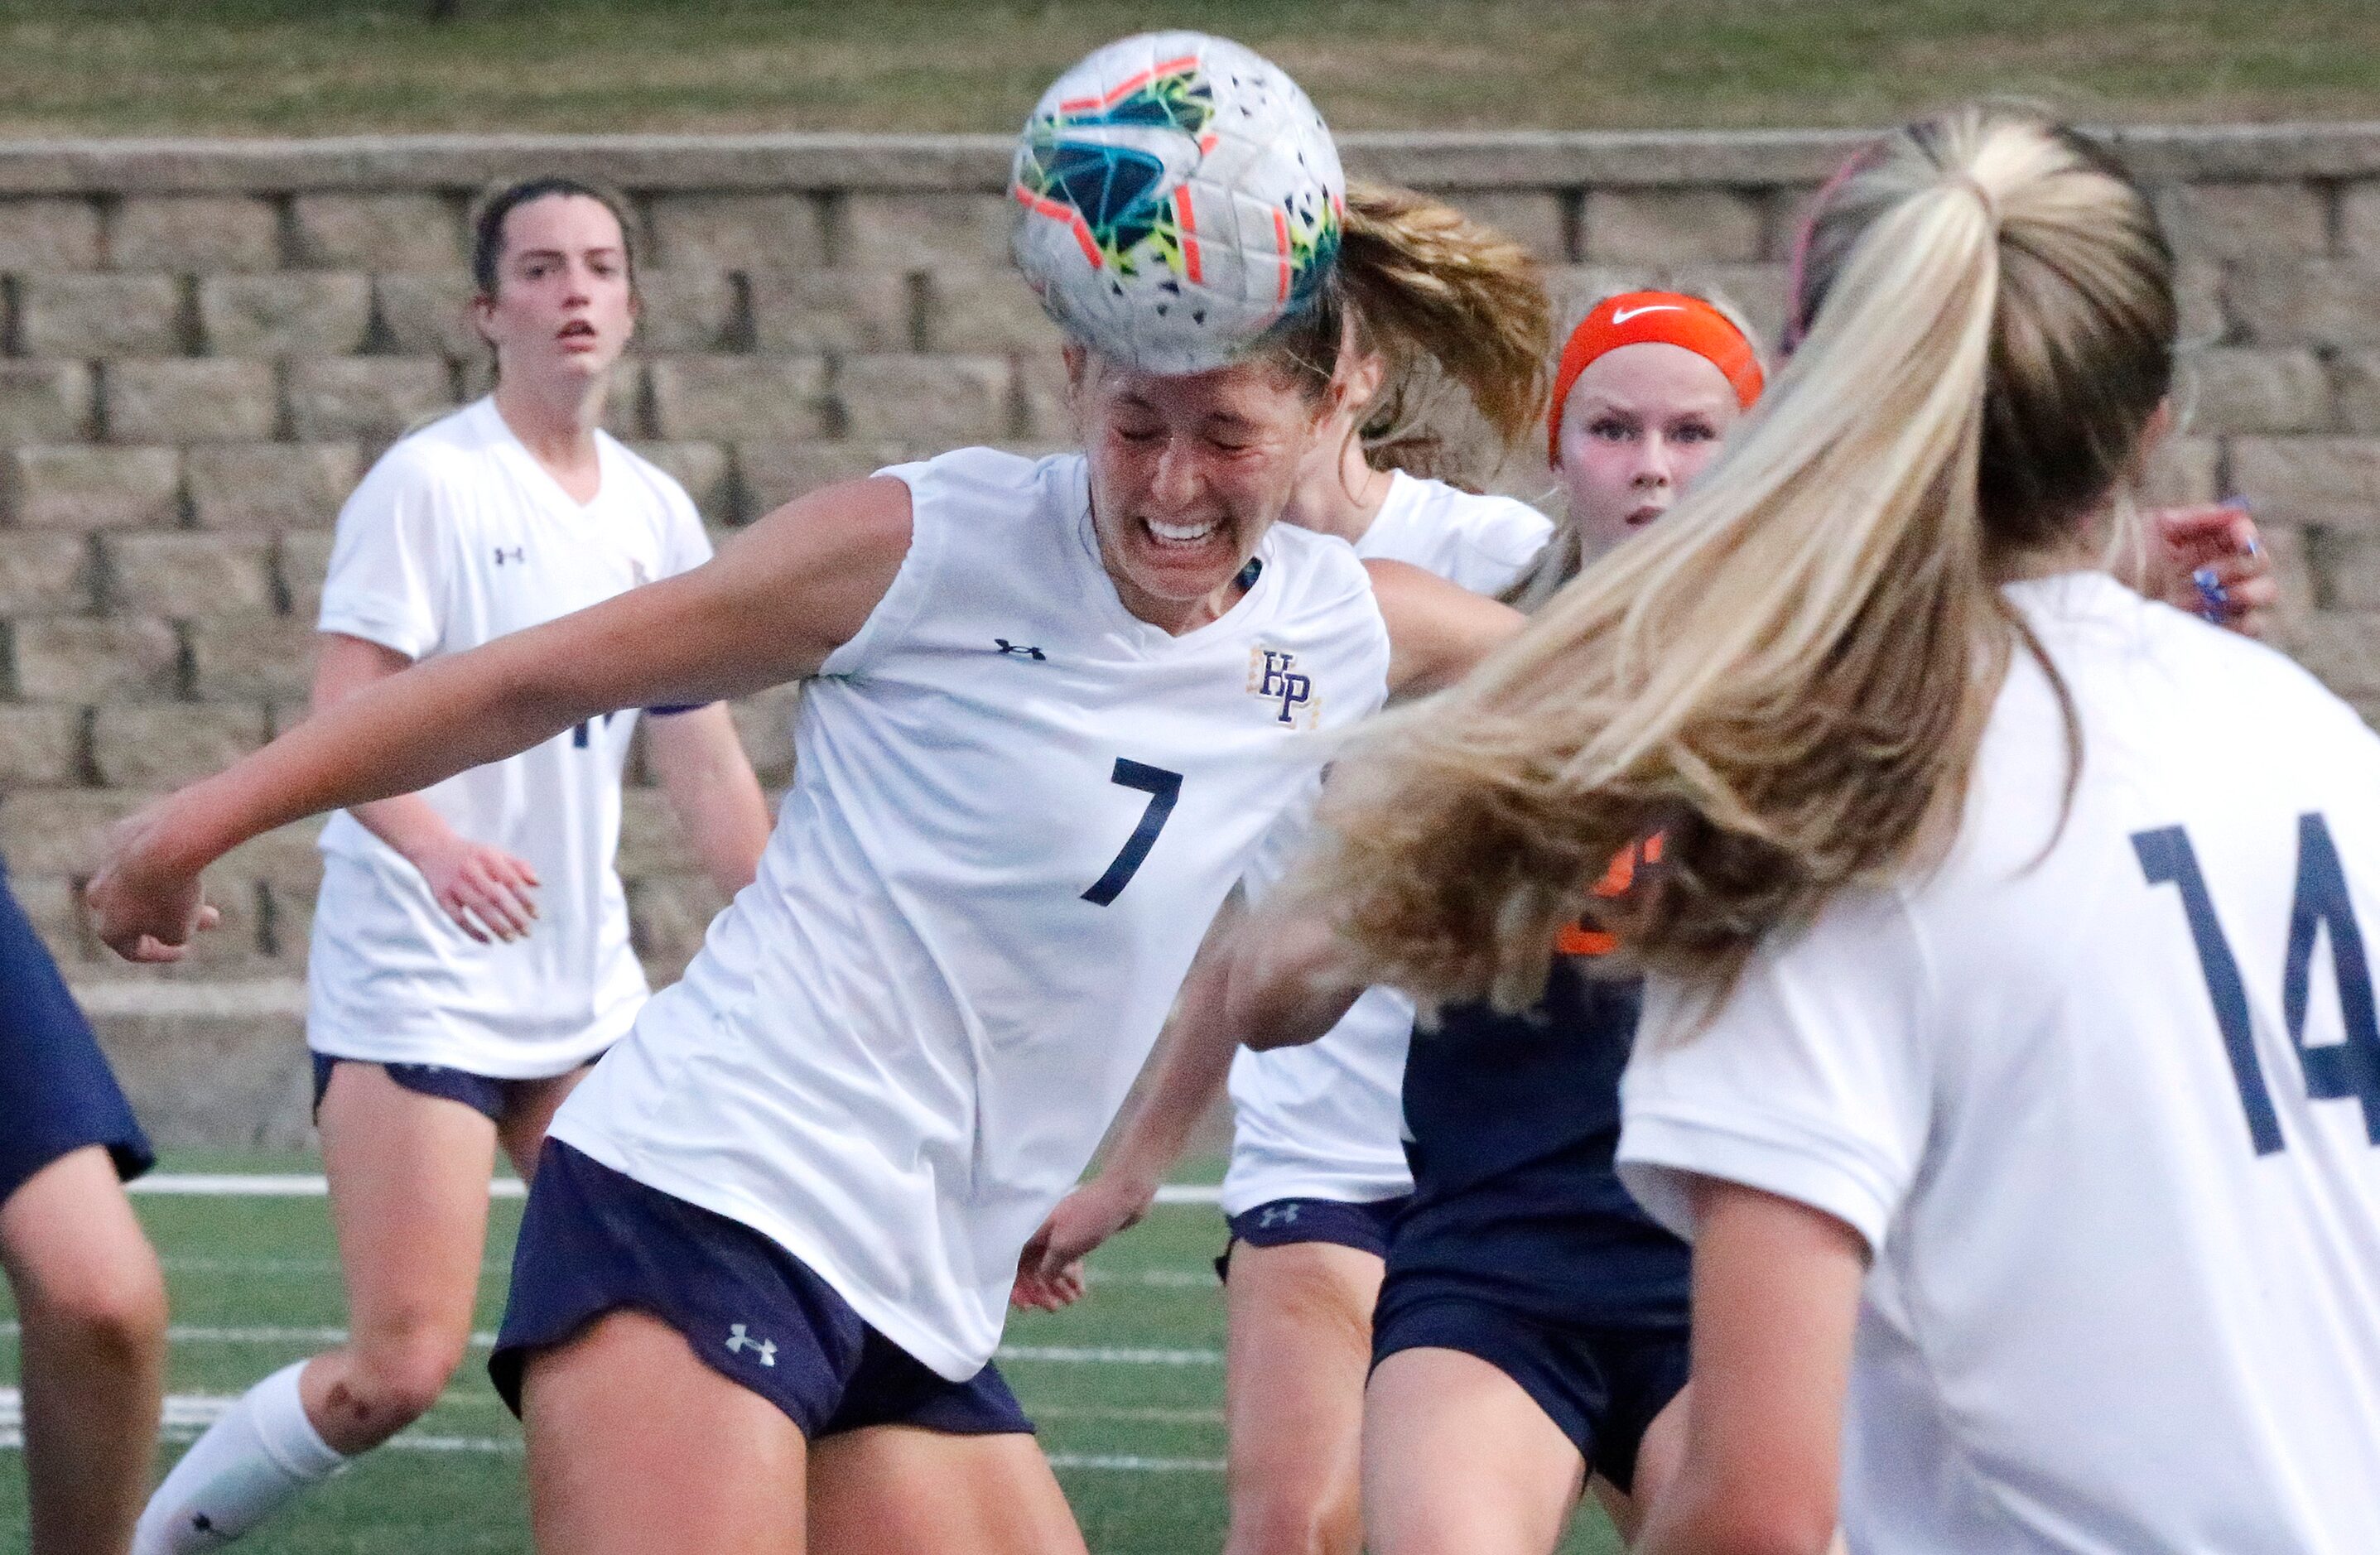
[(764, 1348), (1277, 1215)]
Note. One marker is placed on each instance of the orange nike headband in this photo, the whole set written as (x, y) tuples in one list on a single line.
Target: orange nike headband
[(1653, 318)]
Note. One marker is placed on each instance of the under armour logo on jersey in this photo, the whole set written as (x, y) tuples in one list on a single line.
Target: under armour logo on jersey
[(514, 554), (738, 1339), (1021, 651), (1277, 1215), (1273, 674)]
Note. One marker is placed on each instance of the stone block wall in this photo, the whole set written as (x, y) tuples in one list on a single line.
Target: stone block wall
[(203, 345)]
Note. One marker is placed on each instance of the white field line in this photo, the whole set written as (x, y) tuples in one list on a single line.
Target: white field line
[(1062, 1355), (187, 1414), (1128, 1464), (1155, 1279), (1069, 1354), (264, 1185), (300, 1184)]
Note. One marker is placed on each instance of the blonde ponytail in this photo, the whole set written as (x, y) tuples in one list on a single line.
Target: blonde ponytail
[(1789, 675), (1445, 299)]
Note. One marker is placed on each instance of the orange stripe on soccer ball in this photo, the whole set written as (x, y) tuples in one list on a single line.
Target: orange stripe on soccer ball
[(1281, 241), (1189, 232), (1132, 84), (1058, 211)]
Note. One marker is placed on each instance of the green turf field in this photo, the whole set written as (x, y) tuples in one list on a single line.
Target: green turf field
[(1127, 1387), (341, 66)]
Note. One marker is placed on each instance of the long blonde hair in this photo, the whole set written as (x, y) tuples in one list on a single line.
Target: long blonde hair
[(1788, 677)]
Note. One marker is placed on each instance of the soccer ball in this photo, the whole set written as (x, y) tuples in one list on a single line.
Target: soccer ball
[(1180, 196)]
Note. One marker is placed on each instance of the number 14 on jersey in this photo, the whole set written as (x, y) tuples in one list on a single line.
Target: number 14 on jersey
[(2321, 908)]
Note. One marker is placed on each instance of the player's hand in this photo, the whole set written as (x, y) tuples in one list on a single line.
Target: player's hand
[(1049, 1271), (2213, 562), (482, 888), (145, 908), (1039, 1292)]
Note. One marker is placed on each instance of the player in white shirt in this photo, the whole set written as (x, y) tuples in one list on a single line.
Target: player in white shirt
[(1530, 1332), (2008, 1046), (1317, 1167), (470, 951), (1052, 706)]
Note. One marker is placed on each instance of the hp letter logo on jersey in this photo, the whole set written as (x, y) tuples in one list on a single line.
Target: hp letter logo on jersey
[(1273, 676)]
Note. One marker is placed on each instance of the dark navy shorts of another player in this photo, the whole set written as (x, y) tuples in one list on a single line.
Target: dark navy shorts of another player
[(593, 1241), (56, 1093), (1520, 1246), (1283, 1222), (486, 1095)]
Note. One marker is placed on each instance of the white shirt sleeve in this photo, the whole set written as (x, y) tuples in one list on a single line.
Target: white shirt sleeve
[(392, 560), (1499, 545), (686, 546), (1814, 1082)]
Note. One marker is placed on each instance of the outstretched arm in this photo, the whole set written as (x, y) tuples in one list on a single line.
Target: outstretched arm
[(1436, 630), (1263, 980), (770, 608), (487, 892)]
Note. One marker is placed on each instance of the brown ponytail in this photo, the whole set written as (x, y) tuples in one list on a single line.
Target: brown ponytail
[(1445, 299)]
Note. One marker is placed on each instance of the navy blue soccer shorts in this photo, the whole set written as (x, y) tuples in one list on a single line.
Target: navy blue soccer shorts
[(1602, 1386), (1285, 1221), (593, 1241), (56, 1093), (486, 1095)]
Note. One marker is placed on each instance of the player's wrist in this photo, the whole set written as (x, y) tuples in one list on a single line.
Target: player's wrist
[(1132, 1182)]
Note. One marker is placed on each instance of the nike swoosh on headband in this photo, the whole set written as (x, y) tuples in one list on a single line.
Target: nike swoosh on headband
[(1622, 315)]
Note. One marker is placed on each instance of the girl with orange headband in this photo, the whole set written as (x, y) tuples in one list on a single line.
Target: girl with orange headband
[(1647, 388)]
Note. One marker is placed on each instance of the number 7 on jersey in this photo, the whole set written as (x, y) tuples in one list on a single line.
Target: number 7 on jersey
[(1162, 788)]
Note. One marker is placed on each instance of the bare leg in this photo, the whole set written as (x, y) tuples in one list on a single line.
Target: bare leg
[(637, 1447), (92, 1304), (1300, 1345), (1658, 1456), (523, 1130), (895, 1490), (1459, 1461), (409, 1202)]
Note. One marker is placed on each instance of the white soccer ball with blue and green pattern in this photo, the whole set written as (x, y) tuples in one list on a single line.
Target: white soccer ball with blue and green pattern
[(1179, 197)]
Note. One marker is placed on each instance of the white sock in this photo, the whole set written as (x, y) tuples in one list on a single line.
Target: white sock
[(248, 1465)]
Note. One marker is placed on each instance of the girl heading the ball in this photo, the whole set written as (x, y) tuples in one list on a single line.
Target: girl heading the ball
[(1050, 707)]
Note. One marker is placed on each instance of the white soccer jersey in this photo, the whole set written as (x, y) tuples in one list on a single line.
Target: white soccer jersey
[(1326, 1119), (2106, 1109), (458, 535), (1015, 808)]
